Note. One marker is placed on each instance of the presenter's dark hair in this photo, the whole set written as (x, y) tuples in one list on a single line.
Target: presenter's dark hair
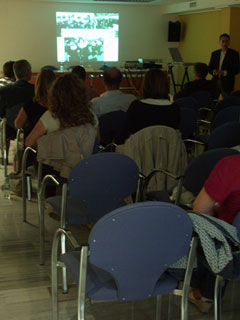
[(80, 72), (225, 35), (201, 70), (156, 84), (112, 77), (22, 69), (8, 69), (68, 101)]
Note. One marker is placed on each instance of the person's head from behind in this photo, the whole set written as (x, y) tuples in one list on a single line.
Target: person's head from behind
[(112, 78), (80, 72), (68, 101), (200, 70), (8, 69), (22, 70), (224, 40), (43, 82), (156, 84)]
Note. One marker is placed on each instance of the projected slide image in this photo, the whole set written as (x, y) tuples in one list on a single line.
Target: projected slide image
[(85, 36)]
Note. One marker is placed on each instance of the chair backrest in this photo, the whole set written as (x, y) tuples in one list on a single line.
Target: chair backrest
[(199, 168), (137, 243), (102, 181), (157, 147), (49, 67), (203, 97), (229, 101), (110, 126), (225, 136), (188, 102), (188, 122), (11, 114), (226, 115)]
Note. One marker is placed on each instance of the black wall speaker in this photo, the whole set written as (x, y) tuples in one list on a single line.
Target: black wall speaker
[(174, 31)]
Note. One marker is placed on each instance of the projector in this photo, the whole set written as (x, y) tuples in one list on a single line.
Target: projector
[(133, 65)]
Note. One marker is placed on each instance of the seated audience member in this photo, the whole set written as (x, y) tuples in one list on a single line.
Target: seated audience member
[(220, 197), (8, 74), (81, 73), (112, 99), (32, 110), (68, 106), (154, 109), (20, 91), (199, 84)]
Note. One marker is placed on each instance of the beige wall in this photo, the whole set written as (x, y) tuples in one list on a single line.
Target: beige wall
[(28, 30), (201, 34)]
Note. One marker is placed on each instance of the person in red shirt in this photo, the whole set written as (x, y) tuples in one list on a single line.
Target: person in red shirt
[(220, 197)]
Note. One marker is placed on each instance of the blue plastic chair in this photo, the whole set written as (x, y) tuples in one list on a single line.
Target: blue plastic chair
[(50, 67), (188, 122), (220, 280), (188, 102), (203, 97), (129, 251), (225, 103), (111, 125), (225, 136), (199, 168), (96, 185), (226, 115)]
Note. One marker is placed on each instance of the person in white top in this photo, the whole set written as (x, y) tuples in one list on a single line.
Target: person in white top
[(112, 99), (224, 65), (68, 106)]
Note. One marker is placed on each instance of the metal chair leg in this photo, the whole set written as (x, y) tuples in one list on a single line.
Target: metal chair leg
[(29, 188), (187, 279), (24, 182), (158, 307), (64, 269), (82, 283), (218, 297), (170, 305)]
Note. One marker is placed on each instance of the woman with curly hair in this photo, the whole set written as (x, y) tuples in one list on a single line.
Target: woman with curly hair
[(68, 107), (32, 110)]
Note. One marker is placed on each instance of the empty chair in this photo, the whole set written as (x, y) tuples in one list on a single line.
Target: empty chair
[(50, 67), (122, 264), (96, 185), (225, 136), (188, 102), (110, 126), (229, 101), (188, 122), (226, 115), (203, 97)]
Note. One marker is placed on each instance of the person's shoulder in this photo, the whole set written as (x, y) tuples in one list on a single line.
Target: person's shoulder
[(216, 51), (232, 51)]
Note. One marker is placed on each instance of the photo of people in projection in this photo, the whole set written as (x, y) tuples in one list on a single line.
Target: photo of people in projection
[(87, 36)]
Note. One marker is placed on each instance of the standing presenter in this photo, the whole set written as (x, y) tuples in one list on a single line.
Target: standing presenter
[(224, 65)]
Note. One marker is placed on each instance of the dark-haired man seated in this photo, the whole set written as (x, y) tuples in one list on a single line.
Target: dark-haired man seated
[(220, 197), (8, 74), (112, 99), (12, 96), (199, 84)]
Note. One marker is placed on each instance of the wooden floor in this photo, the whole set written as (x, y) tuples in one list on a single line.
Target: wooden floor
[(25, 285)]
